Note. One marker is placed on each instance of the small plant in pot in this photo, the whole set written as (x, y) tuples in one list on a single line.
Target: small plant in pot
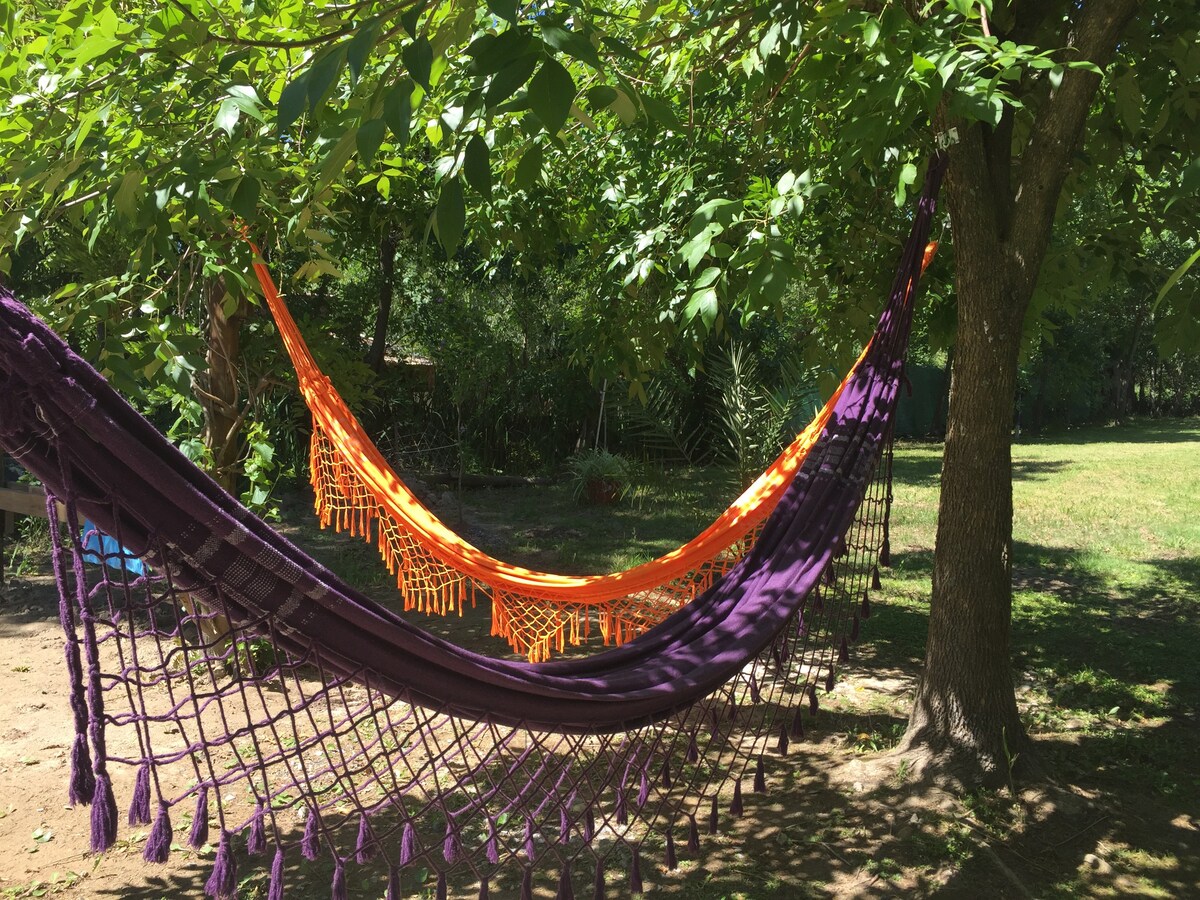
[(599, 477)]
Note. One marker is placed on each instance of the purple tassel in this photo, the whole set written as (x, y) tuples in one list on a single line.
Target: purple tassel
[(451, 847), (735, 808), (408, 844), (598, 880), (755, 695), (564, 826), (782, 747), (813, 706), (798, 725), (275, 891), (819, 599), (885, 553), (865, 612), (876, 584), (712, 817), (222, 883), (492, 850), (529, 849), (139, 806), (622, 813), (844, 651), (310, 844), (158, 844), (393, 888), (104, 815), (256, 840), (83, 781), (589, 826), (829, 681), (672, 862), (733, 709), (337, 889), (635, 874), (828, 578), (665, 780), (760, 777), (198, 836), (484, 892), (643, 790), (566, 891), (854, 630), (693, 751), (527, 884), (442, 888), (365, 847), (693, 843)]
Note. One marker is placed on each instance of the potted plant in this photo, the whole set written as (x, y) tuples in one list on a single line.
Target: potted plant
[(599, 477)]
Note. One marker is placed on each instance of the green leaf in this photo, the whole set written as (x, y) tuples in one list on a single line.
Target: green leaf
[(491, 53), (245, 199), (571, 43), (476, 165), (529, 168), (450, 215), (506, 82), (504, 9), (600, 96), (871, 31), (360, 46), (128, 193), (397, 110), (418, 58), (703, 303), (1173, 280), (227, 116), (293, 99), (661, 112), (370, 136), (551, 94), (324, 75)]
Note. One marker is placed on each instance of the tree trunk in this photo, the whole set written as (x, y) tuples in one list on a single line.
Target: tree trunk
[(965, 709), (1002, 209), (387, 291), (220, 397)]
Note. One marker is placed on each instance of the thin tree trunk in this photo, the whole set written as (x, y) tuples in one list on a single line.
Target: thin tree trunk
[(387, 291), (220, 397)]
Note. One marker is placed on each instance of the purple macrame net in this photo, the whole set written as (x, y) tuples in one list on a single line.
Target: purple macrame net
[(239, 683)]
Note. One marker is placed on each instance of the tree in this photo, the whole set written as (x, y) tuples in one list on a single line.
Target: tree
[(717, 160)]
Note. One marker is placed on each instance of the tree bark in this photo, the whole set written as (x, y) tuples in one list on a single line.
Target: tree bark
[(965, 719), (387, 291), (220, 396)]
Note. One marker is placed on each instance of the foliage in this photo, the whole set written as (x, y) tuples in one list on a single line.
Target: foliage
[(599, 476)]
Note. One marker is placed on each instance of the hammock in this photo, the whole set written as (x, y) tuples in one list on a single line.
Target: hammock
[(437, 570), (323, 724)]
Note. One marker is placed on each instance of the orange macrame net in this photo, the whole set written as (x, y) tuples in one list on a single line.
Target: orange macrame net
[(437, 571)]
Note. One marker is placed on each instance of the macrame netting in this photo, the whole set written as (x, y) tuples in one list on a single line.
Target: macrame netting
[(323, 725), (437, 571)]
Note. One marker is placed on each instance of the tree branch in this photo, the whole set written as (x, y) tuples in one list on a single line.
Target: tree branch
[(1058, 127)]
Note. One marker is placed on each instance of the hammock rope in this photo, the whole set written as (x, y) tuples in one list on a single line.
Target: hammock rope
[(326, 726), (437, 570)]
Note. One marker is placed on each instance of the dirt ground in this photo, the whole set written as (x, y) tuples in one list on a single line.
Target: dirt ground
[(843, 818)]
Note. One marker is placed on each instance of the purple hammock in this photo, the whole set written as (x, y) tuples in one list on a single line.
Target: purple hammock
[(317, 722)]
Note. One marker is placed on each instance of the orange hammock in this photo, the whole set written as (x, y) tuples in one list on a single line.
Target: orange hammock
[(436, 570)]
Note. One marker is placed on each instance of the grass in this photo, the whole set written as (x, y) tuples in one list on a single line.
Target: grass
[(1106, 595)]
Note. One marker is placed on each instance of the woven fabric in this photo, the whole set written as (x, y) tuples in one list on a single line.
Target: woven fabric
[(322, 724)]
